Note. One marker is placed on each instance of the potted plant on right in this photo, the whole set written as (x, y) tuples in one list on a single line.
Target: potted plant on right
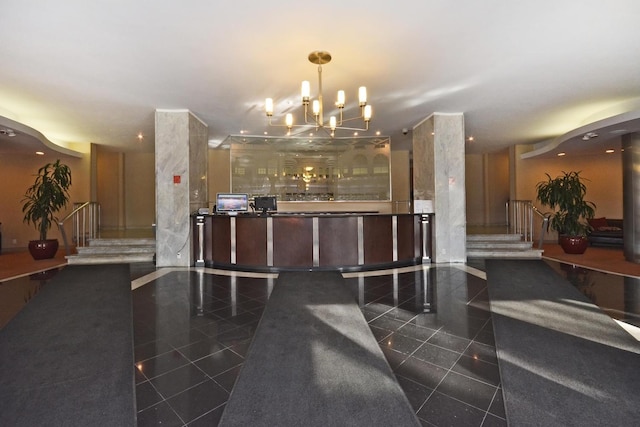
[(565, 194), (48, 194)]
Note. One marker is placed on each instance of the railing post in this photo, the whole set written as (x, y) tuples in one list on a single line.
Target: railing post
[(545, 226), (200, 221), (425, 220), (80, 230)]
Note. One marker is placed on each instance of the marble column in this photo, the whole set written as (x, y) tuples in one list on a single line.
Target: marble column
[(181, 183), (631, 196), (439, 182)]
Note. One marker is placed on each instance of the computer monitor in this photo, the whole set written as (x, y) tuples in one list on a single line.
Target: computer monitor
[(232, 202), (265, 204)]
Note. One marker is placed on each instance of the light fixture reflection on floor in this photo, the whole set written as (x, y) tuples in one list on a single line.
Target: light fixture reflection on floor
[(316, 116)]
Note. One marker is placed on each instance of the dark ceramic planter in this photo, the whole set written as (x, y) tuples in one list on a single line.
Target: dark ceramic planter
[(574, 244), (43, 249)]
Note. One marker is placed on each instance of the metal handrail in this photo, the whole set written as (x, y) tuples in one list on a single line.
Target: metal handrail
[(520, 219), (86, 223), (546, 217)]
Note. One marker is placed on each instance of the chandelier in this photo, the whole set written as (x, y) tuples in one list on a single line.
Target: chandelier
[(315, 117)]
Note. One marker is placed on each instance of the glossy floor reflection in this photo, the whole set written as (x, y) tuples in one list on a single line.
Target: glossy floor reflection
[(616, 295), (193, 329), (192, 332)]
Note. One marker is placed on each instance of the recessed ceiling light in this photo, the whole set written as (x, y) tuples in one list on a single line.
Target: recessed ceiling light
[(470, 139), (39, 153), (609, 151), (562, 154), (140, 136)]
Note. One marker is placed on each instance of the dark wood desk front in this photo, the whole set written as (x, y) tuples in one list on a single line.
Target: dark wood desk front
[(311, 241)]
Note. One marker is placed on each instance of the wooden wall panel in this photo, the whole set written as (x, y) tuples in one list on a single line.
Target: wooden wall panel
[(378, 239), (338, 240), (293, 241), (220, 236), (406, 241), (251, 241)]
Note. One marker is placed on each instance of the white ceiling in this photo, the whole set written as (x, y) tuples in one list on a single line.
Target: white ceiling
[(82, 71)]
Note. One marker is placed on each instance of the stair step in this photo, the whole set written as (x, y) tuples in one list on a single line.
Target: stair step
[(108, 259), (122, 242), (493, 237), (115, 249), (530, 254), (507, 245)]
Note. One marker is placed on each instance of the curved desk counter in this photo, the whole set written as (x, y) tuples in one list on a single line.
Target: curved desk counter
[(311, 241)]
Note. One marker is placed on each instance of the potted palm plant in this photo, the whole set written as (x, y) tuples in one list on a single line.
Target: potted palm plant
[(48, 194), (565, 194)]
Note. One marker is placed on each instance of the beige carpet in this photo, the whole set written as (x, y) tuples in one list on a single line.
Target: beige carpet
[(16, 264), (597, 258)]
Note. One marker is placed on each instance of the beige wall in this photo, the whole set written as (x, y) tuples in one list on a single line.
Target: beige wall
[(110, 183), (474, 181), (219, 173), (126, 189), (487, 184), (127, 197), (604, 174), (489, 176), (140, 193), (400, 181), (16, 175), (604, 185)]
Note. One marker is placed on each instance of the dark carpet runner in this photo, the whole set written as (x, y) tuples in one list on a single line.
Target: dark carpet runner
[(563, 362), (314, 362), (67, 358)]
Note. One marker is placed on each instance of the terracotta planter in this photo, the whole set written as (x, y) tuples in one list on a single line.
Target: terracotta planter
[(574, 244), (43, 249)]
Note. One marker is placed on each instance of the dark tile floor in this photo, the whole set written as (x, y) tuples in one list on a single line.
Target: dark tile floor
[(192, 331)]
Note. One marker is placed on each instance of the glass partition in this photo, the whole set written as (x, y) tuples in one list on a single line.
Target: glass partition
[(305, 169)]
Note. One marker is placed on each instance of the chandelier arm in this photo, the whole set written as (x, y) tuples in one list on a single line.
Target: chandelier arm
[(316, 116), (351, 119), (321, 115), (306, 114), (349, 128)]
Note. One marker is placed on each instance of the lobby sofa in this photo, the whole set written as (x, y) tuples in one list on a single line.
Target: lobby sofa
[(606, 232)]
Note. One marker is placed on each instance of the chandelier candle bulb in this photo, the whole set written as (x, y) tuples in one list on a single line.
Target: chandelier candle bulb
[(332, 122), (316, 107), (268, 106), (306, 92), (367, 113), (341, 99), (362, 96), (289, 120)]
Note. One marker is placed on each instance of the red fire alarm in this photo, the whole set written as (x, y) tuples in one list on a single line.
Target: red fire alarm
[(176, 179)]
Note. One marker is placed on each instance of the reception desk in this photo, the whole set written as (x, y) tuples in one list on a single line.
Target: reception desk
[(311, 241)]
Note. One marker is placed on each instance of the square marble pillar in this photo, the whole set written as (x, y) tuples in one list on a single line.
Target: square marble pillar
[(439, 182), (181, 186), (631, 196)]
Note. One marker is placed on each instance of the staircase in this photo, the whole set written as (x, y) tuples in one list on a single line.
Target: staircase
[(500, 246), (114, 251)]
